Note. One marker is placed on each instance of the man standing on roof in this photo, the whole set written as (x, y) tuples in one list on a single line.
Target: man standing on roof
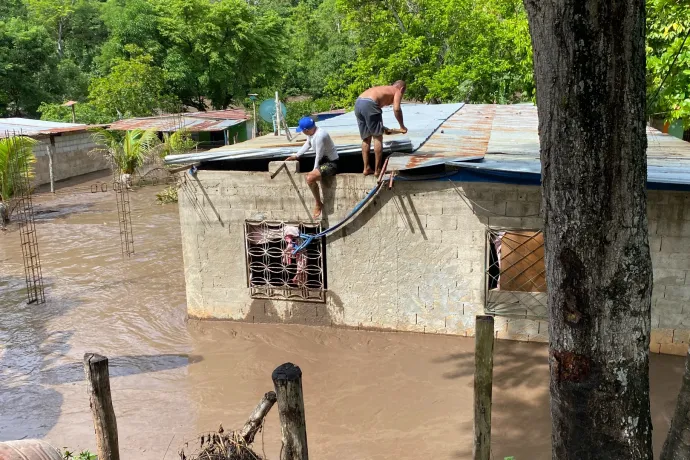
[(326, 157), (370, 120)]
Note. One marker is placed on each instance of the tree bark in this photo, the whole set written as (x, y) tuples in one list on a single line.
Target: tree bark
[(589, 65), (677, 445), (105, 425), (287, 379), (59, 39)]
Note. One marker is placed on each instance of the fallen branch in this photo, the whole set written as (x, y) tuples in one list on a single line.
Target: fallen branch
[(253, 425), (235, 445)]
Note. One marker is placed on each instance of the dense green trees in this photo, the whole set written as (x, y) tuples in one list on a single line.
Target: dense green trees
[(668, 59), (137, 57)]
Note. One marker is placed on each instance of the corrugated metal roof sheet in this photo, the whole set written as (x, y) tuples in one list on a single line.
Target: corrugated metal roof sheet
[(463, 135), (421, 119), (514, 148), (170, 123), (29, 127), (229, 114), (487, 137)]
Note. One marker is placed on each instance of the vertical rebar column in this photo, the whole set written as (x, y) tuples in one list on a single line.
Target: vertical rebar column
[(22, 203), (124, 216)]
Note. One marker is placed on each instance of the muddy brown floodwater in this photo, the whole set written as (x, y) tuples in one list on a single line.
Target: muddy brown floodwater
[(368, 395)]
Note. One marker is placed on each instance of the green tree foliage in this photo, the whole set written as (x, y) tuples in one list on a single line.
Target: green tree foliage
[(218, 50), (178, 142), (140, 57), (16, 157), (318, 47), (134, 87), (668, 65), (27, 67), (447, 50), (127, 151), (129, 22), (84, 113)]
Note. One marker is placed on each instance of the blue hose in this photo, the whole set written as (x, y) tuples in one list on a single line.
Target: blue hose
[(307, 239)]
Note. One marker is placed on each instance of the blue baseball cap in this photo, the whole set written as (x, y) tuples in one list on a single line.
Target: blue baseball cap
[(305, 123)]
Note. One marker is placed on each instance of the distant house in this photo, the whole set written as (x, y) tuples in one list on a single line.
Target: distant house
[(458, 234), (68, 144), (209, 129), (674, 129)]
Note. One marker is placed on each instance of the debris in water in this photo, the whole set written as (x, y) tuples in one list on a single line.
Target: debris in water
[(235, 445)]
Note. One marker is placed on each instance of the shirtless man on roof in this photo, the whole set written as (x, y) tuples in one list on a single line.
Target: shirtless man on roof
[(370, 120)]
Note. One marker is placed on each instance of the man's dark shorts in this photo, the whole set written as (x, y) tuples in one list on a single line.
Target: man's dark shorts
[(369, 118), (328, 168)]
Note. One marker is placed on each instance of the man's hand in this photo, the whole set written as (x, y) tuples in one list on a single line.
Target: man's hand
[(292, 158)]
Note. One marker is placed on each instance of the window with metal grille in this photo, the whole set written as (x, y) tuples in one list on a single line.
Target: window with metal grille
[(274, 271), (515, 275)]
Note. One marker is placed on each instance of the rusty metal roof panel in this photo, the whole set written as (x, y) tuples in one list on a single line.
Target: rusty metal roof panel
[(501, 138), (229, 114), (462, 135), (171, 123), (514, 148), (29, 127)]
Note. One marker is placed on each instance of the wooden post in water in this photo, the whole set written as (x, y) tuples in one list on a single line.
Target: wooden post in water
[(483, 382), (105, 426), (287, 379)]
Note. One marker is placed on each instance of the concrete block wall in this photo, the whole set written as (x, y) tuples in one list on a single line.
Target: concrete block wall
[(413, 260), (71, 158), (669, 244)]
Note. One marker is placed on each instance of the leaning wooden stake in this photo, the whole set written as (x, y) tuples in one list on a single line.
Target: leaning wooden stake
[(483, 382), (98, 381), (256, 419), (287, 379)]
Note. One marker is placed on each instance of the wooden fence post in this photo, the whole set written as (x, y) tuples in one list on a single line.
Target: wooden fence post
[(105, 426), (483, 381), (287, 379)]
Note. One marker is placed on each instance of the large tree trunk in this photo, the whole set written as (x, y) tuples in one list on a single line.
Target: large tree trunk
[(589, 64), (677, 445)]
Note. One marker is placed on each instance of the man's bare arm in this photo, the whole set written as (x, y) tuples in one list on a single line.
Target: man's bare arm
[(397, 111)]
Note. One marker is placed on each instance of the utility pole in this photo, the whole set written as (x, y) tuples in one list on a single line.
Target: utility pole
[(277, 131), (256, 126)]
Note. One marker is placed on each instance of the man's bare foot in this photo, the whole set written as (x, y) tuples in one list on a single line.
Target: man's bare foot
[(317, 211), (377, 173), (368, 171)]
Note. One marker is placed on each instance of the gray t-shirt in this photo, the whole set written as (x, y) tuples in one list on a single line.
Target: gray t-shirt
[(322, 144)]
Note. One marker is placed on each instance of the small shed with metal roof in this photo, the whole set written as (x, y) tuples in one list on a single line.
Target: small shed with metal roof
[(62, 150), (209, 129), (450, 230)]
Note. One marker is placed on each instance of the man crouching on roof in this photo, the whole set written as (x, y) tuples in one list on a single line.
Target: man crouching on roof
[(326, 157)]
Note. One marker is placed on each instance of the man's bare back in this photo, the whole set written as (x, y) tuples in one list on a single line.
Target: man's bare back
[(370, 119), (382, 95)]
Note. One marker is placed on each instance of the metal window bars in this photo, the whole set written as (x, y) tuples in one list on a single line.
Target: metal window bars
[(515, 273), (274, 272), (20, 190)]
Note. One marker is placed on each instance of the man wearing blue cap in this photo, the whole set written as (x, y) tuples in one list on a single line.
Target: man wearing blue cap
[(326, 157)]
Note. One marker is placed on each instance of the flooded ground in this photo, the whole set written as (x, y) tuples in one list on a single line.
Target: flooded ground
[(368, 395)]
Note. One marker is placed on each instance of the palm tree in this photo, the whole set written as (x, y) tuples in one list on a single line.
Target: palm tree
[(178, 142), (127, 151), (16, 160)]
